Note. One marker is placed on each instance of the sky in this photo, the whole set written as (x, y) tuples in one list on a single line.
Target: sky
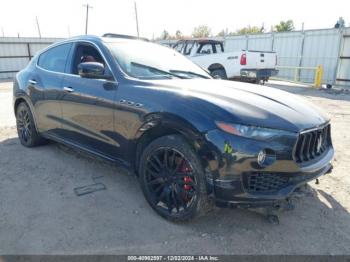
[(63, 18)]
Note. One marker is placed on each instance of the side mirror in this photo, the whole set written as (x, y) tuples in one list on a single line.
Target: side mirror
[(92, 70)]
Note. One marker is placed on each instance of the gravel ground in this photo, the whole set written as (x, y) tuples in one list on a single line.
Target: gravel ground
[(40, 214)]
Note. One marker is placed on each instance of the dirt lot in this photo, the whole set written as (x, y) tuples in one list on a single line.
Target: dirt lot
[(40, 214)]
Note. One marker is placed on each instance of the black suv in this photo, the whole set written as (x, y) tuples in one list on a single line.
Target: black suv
[(189, 138)]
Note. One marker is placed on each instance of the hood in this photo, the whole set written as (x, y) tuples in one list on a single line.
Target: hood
[(251, 104)]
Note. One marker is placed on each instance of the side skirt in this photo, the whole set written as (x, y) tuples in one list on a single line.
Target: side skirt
[(78, 147)]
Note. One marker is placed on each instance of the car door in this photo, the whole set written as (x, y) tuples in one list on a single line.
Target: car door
[(47, 81), (88, 104)]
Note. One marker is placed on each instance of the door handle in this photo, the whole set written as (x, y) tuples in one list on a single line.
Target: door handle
[(68, 89), (32, 82)]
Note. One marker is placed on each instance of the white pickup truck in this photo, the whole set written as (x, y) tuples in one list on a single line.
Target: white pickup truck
[(245, 65)]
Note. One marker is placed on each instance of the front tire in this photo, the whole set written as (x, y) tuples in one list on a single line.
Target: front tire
[(27, 134), (172, 179)]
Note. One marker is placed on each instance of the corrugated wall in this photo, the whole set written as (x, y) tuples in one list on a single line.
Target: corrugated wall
[(15, 53), (343, 74), (321, 47), (236, 43)]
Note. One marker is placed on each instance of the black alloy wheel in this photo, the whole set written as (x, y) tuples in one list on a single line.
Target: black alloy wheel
[(26, 129), (24, 125), (172, 180)]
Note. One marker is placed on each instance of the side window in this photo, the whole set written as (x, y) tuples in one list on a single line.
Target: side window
[(205, 49), (188, 48), (219, 48), (178, 47), (85, 53), (55, 58)]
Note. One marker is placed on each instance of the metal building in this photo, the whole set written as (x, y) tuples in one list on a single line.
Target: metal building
[(343, 68), (15, 53)]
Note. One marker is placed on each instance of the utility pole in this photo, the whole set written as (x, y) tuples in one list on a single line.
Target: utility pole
[(137, 21), (37, 24), (87, 17), (2, 30), (68, 28)]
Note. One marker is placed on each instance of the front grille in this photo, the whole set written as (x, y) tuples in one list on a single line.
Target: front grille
[(265, 182), (312, 144)]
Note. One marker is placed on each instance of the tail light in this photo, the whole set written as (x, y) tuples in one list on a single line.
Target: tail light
[(243, 59)]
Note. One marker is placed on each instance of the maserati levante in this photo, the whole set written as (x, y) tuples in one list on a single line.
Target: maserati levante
[(191, 140)]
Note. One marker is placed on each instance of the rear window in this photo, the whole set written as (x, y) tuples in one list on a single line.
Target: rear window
[(55, 58)]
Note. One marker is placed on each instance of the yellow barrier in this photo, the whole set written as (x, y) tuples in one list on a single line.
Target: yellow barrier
[(318, 74), (318, 77)]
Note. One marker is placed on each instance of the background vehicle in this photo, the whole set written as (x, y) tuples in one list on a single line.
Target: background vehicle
[(246, 65), (187, 137)]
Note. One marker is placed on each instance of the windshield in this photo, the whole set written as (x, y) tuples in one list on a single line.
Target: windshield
[(145, 60)]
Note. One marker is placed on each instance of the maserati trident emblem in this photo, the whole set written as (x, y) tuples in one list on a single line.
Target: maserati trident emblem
[(319, 144)]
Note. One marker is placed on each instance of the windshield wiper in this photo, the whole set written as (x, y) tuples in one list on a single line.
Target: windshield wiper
[(163, 72), (189, 73)]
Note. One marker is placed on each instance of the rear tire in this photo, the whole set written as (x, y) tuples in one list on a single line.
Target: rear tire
[(26, 129), (219, 74), (172, 179)]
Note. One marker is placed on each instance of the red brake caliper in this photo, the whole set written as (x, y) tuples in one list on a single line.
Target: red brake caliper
[(185, 168), (187, 180)]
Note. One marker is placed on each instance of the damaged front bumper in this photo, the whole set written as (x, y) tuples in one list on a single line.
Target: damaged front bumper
[(275, 199), (237, 180)]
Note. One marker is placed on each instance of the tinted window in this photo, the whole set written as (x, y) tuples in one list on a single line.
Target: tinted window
[(55, 58), (219, 48), (178, 47), (188, 48), (85, 53), (205, 49)]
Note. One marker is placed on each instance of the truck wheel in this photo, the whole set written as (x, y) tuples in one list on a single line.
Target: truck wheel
[(219, 74), (172, 179), (260, 81)]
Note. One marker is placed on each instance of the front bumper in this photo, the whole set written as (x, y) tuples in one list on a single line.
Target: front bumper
[(237, 180)]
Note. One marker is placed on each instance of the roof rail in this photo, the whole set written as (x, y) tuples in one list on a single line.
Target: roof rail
[(124, 36)]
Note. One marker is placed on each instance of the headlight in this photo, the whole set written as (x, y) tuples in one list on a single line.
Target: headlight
[(259, 133)]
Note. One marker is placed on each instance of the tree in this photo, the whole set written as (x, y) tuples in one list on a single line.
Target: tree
[(222, 33), (201, 31), (285, 26), (340, 23), (250, 30), (165, 35), (231, 34), (178, 34), (225, 33)]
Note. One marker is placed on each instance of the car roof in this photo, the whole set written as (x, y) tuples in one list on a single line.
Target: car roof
[(201, 40), (105, 38)]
